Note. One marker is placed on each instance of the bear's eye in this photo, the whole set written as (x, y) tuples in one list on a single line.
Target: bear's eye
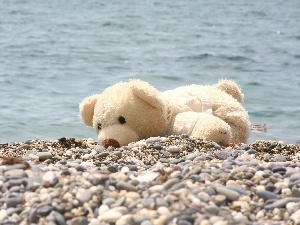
[(99, 126), (121, 120)]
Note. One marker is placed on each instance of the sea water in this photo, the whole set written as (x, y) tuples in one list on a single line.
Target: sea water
[(55, 53)]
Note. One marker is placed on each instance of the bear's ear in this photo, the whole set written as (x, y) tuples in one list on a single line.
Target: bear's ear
[(86, 108), (231, 88), (147, 93)]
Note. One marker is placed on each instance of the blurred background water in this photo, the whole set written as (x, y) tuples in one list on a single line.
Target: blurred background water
[(55, 53)]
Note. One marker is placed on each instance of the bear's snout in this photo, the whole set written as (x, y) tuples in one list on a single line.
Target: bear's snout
[(111, 142)]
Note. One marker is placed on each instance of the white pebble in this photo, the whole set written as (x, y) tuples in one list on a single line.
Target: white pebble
[(3, 214), (29, 195), (86, 156), (291, 206), (45, 197), (103, 209), (125, 169), (50, 177), (122, 209), (260, 188), (110, 216), (286, 192), (94, 221), (296, 217), (260, 214), (146, 177), (68, 153), (87, 164), (163, 210), (33, 157), (155, 188)]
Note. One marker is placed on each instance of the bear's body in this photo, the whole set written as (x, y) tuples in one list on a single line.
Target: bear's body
[(134, 110)]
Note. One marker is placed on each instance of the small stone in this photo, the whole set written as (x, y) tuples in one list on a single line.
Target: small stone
[(295, 177), (220, 199), (110, 216), (163, 210), (121, 185), (167, 185), (260, 214), (59, 218), (192, 156), (50, 177), (15, 173), (44, 210), (81, 168), (174, 149), (13, 202), (222, 155), (3, 214), (267, 195), (84, 195), (230, 194), (281, 203), (153, 139), (213, 210), (112, 169), (296, 193), (44, 155), (79, 221)]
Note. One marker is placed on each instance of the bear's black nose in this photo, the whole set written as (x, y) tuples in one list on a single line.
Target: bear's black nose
[(110, 142)]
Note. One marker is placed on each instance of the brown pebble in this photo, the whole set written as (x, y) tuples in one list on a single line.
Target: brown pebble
[(10, 160)]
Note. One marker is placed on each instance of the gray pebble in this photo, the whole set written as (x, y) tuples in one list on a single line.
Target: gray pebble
[(12, 202), (167, 185), (281, 203), (192, 156), (222, 155), (153, 139), (295, 177), (213, 210), (59, 218), (176, 161), (173, 149), (44, 155), (15, 174), (266, 195), (230, 194), (239, 189), (80, 168), (32, 216), (121, 185), (15, 166), (296, 193), (108, 201), (79, 221), (44, 210)]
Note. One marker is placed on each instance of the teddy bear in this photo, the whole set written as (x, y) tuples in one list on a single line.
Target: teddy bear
[(131, 111)]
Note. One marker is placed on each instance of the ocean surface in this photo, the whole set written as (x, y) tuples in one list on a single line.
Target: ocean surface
[(55, 53)]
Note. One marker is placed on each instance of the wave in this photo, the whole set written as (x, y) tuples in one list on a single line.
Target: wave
[(222, 57)]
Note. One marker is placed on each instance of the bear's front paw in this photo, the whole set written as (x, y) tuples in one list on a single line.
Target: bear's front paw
[(214, 129)]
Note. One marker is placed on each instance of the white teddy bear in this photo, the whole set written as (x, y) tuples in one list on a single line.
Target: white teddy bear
[(130, 111)]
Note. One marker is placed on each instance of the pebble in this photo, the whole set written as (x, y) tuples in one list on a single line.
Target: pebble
[(161, 180), (266, 195), (228, 193), (44, 155)]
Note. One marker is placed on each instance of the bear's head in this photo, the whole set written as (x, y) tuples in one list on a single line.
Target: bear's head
[(126, 112)]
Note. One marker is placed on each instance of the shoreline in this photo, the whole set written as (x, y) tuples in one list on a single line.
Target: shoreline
[(161, 180)]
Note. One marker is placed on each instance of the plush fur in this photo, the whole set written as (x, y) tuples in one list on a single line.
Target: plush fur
[(134, 110)]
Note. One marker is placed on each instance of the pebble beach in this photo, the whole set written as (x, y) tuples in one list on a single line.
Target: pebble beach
[(174, 180)]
